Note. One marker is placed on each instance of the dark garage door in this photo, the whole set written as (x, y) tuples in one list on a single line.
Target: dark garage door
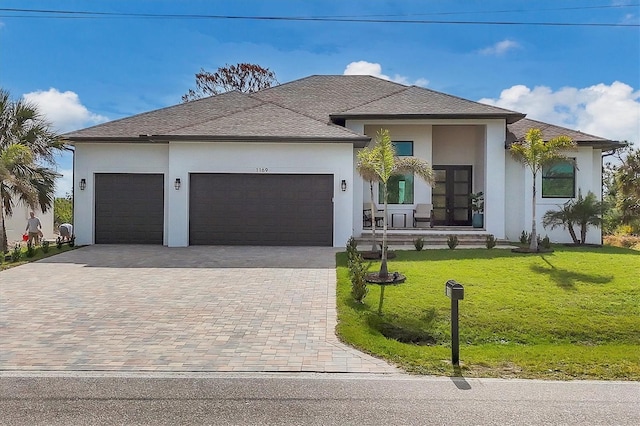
[(129, 208), (261, 209)]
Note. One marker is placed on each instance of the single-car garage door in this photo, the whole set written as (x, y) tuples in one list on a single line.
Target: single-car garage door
[(129, 208), (261, 209)]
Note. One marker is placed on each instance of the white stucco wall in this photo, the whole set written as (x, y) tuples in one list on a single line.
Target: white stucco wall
[(92, 158), (179, 159), (519, 190)]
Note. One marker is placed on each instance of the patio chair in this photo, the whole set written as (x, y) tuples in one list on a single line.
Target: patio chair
[(366, 215), (423, 213)]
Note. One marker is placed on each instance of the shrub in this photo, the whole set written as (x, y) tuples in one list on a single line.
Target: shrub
[(59, 243), (452, 241), (45, 246), (72, 241), (31, 250), (418, 243), (525, 238), (546, 242), (16, 254), (491, 241), (357, 272)]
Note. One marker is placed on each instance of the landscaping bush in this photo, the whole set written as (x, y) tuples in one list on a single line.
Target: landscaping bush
[(452, 241), (525, 238), (546, 242), (418, 243), (45, 246), (491, 241), (357, 272), (16, 254), (31, 250), (625, 241)]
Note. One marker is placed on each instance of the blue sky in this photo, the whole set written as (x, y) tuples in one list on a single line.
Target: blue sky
[(83, 70)]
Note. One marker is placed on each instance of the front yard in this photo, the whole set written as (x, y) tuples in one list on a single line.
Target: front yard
[(570, 314)]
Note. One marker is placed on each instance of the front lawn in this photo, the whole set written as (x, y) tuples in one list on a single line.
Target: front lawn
[(573, 313)]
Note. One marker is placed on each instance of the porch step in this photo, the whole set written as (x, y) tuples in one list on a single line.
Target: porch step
[(431, 238)]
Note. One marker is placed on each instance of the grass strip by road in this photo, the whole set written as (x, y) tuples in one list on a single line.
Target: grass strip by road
[(570, 314)]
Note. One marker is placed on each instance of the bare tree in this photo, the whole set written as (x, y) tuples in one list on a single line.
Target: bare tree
[(244, 77)]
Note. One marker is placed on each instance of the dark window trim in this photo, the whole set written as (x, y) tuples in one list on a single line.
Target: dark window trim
[(571, 161)]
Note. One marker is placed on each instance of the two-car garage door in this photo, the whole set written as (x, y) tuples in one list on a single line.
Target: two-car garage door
[(261, 209), (224, 209)]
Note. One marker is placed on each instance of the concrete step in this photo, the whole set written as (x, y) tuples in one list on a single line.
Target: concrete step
[(431, 238)]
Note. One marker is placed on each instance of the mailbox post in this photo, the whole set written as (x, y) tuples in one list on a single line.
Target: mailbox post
[(455, 292)]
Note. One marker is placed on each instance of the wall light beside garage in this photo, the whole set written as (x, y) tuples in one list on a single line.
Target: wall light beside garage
[(343, 185), (83, 184), (177, 184)]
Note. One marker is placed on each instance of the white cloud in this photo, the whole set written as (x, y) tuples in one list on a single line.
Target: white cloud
[(371, 68), (610, 111), (65, 112), (500, 48), (63, 109)]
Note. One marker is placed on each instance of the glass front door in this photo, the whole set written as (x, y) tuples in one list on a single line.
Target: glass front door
[(450, 195)]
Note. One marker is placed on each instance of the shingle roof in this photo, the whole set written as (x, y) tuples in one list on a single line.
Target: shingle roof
[(412, 102), (321, 95), (266, 120), (518, 130), (169, 119), (304, 109)]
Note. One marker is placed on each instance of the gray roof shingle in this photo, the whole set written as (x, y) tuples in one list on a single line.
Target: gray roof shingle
[(420, 102), (517, 131), (304, 109), (269, 121), (166, 120)]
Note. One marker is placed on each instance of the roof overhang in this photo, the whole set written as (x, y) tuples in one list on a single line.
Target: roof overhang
[(357, 141), (605, 145), (510, 118)]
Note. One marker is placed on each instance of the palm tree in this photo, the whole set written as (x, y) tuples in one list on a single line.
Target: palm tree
[(561, 218), (380, 163), (366, 170), (533, 152), (27, 147), (584, 212)]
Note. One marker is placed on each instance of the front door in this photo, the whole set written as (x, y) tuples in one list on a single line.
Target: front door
[(450, 195)]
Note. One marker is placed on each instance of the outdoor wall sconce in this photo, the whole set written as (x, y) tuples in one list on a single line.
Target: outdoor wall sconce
[(83, 184), (177, 184), (343, 185)]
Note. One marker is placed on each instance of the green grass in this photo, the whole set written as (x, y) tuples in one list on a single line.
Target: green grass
[(573, 313), (39, 254)]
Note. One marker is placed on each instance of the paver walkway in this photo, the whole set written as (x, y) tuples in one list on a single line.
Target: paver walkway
[(150, 308)]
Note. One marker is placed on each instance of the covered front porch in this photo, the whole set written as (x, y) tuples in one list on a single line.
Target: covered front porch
[(464, 158)]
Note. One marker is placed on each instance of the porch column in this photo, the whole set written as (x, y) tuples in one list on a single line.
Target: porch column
[(495, 182)]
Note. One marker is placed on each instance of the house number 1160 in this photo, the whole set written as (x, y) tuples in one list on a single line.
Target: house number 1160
[(262, 169)]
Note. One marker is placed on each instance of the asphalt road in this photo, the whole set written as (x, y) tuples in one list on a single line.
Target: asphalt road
[(310, 399)]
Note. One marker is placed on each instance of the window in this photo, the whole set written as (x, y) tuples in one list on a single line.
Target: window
[(400, 187), (403, 148), (559, 180)]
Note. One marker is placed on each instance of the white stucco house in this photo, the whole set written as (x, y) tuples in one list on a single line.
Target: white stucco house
[(277, 167)]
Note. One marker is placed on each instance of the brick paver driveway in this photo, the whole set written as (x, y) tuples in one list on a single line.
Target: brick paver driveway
[(148, 308)]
